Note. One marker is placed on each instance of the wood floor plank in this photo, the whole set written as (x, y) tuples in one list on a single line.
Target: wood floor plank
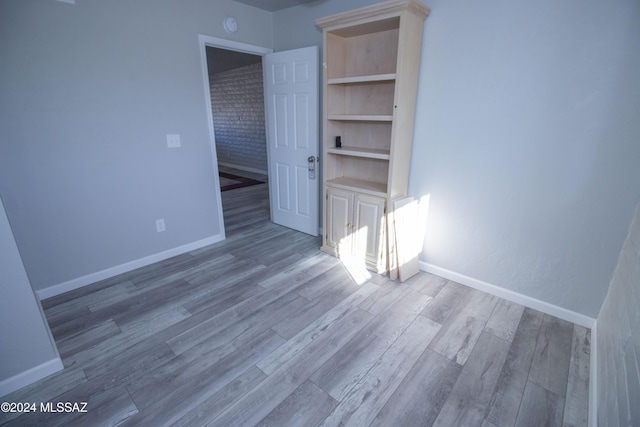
[(576, 407), (352, 362), (132, 335), (222, 320), (188, 393), (335, 278), (471, 394), (550, 365), (109, 409), (540, 407), (172, 269), (419, 398), (255, 323), (506, 399), (301, 318), (389, 291), (363, 402), (427, 283), (222, 399), (154, 321), (86, 338), (259, 402), (311, 333), (307, 406), (445, 302), (139, 358), (460, 332), (289, 273), (224, 298), (174, 373), (505, 319), (81, 305)]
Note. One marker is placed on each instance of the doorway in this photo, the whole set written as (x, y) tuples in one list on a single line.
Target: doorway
[(237, 105), (291, 110), (234, 84)]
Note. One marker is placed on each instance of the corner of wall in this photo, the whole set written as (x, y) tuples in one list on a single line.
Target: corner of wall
[(527, 301), (593, 377), (30, 376)]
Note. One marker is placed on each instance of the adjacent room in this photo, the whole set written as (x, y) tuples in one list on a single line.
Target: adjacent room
[(166, 260)]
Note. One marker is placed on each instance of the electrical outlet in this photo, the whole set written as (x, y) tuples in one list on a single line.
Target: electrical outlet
[(160, 225), (173, 141)]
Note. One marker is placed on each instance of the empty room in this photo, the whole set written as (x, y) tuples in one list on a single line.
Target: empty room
[(319, 213)]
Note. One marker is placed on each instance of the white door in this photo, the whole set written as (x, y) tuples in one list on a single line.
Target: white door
[(291, 110)]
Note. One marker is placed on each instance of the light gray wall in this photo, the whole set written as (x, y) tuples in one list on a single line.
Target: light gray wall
[(25, 342), (619, 339), (89, 92), (237, 102), (526, 139)]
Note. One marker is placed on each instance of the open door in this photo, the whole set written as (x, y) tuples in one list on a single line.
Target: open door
[(291, 112)]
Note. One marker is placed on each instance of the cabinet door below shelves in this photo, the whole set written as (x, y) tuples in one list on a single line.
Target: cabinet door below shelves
[(339, 214), (367, 226), (355, 227)]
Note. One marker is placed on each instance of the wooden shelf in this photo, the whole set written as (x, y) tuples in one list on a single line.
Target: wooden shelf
[(361, 117), (371, 58), (362, 79), (360, 185), (369, 153)]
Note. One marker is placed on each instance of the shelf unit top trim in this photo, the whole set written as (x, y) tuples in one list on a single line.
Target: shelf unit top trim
[(390, 7)]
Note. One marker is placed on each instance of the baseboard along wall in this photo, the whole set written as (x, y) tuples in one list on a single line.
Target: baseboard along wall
[(123, 268)]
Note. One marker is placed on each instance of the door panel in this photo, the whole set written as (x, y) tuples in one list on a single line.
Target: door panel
[(282, 193), (291, 104), (339, 213), (367, 225)]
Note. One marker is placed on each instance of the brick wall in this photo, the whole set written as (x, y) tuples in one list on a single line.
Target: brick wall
[(238, 117), (618, 339)]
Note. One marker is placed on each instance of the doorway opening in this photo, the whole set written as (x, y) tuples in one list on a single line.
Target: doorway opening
[(234, 81)]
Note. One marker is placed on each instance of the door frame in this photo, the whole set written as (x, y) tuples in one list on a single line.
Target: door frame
[(204, 41)]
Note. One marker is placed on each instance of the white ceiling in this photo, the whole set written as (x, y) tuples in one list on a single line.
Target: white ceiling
[(273, 5)]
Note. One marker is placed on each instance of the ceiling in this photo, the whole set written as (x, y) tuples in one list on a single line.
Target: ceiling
[(273, 5)]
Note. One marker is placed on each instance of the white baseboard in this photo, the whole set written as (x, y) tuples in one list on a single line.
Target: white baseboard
[(527, 301), (30, 376), (243, 168), (70, 285), (593, 377)]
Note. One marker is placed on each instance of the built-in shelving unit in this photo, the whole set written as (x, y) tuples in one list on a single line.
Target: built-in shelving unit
[(371, 58)]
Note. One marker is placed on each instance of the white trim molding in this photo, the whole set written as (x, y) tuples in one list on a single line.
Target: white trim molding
[(593, 377), (527, 301), (123, 268), (30, 376)]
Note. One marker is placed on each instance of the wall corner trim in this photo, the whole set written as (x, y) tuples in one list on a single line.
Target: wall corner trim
[(527, 301), (30, 376), (79, 282), (593, 377)]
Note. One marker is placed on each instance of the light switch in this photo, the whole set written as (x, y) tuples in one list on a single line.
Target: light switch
[(173, 141)]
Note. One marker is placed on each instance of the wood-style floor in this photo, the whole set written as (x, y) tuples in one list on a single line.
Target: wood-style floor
[(264, 329)]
